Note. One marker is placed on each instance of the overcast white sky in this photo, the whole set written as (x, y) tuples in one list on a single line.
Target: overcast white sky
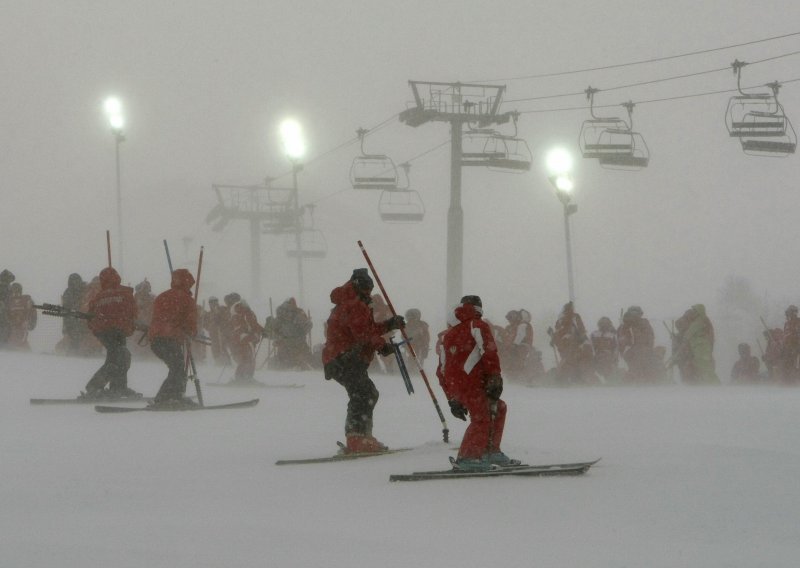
[(205, 85)]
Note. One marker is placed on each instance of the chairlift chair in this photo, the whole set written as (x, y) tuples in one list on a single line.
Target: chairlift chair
[(759, 120), (403, 204), (312, 244), (476, 149), (372, 171)]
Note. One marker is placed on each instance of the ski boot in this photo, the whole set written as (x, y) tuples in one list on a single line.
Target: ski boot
[(500, 459), (363, 444), (125, 393), (472, 464), (172, 404)]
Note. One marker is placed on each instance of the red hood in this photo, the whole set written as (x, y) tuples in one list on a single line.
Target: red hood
[(182, 279), (344, 293), (109, 278), (466, 312)]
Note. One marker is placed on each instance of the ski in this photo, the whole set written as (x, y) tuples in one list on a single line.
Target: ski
[(548, 470), (342, 456), (121, 409), (255, 384), (85, 400)]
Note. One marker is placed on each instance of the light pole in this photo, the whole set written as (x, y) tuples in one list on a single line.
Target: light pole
[(295, 148), (113, 110), (559, 165)]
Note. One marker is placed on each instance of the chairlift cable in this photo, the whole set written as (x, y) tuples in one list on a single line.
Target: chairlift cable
[(638, 62), (650, 82)]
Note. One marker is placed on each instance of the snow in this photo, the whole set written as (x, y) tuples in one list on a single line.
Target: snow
[(689, 477)]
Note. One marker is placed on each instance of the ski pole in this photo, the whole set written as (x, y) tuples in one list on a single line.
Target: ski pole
[(445, 430), (188, 342), (108, 246), (401, 365), (492, 420)]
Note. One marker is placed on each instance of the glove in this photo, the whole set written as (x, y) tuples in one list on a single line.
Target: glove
[(494, 387), (457, 409), (395, 322), (386, 350)]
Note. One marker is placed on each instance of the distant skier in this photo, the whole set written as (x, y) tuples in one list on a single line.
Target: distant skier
[(174, 323), (636, 341), (352, 339), (74, 330), (6, 278), (790, 350), (473, 385), (745, 370), (574, 348), (288, 330), (606, 349), (419, 334), (21, 318), (697, 343), (244, 332), (114, 316)]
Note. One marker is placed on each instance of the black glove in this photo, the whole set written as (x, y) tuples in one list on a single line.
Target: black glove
[(386, 350), (457, 409), (494, 387), (395, 322)]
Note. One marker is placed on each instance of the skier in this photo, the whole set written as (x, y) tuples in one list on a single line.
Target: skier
[(215, 321), (698, 344), (288, 330), (573, 347), (418, 334), (606, 349), (352, 339), (174, 323), (244, 333), (790, 352), (114, 315), (636, 342), (516, 342), (772, 353), (21, 318), (473, 385), (73, 330), (745, 370), (6, 278)]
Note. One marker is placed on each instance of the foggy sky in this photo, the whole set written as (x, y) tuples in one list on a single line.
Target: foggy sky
[(205, 84)]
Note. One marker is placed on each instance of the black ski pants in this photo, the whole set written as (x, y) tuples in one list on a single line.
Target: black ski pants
[(170, 350), (350, 371), (114, 371)]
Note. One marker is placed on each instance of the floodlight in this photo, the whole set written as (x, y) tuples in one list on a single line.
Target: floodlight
[(564, 183), (559, 162), (292, 137), (112, 106)]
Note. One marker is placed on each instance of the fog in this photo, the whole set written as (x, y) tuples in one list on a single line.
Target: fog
[(205, 85)]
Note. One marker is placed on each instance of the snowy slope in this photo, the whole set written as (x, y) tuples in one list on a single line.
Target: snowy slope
[(690, 477)]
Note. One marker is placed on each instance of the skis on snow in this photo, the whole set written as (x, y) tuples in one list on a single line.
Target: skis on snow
[(181, 408), (255, 384), (525, 470), (342, 456), (89, 400)]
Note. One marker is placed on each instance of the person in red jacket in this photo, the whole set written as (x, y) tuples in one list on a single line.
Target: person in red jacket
[(174, 323), (352, 339), (473, 385), (113, 311), (244, 333)]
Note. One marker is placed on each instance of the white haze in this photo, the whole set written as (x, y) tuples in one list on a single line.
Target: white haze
[(205, 85)]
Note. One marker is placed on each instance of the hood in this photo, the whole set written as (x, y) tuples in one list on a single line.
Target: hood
[(109, 278), (143, 287), (525, 315), (466, 312), (182, 279), (286, 308), (7, 276), (700, 309), (344, 293), (74, 280)]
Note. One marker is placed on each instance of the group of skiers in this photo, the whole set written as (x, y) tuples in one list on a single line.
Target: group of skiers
[(17, 314), (781, 356)]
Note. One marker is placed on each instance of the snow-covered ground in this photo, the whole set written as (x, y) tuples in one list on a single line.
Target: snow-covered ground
[(689, 477)]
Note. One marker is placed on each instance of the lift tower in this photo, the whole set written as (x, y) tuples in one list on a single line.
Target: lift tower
[(458, 104)]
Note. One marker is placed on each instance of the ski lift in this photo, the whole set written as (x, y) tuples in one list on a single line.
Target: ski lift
[(372, 171), (612, 140), (496, 151), (401, 205), (759, 120)]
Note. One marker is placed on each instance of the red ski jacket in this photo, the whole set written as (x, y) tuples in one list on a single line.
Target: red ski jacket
[(351, 326), (244, 326), (469, 353), (175, 311), (114, 307)]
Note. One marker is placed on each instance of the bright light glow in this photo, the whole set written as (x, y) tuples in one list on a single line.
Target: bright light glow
[(564, 183), (112, 106), (559, 162), (117, 121), (292, 136)]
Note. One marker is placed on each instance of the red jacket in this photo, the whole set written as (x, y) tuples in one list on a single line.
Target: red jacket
[(470, 353), (351, 326), (175, 311), (243, 324), (114, 307)]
